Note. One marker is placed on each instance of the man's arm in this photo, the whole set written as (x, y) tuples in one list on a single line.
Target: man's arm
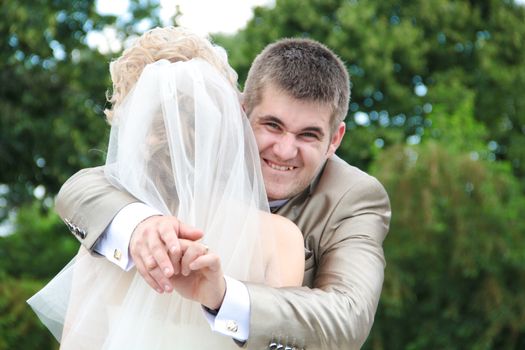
[(338, 312), (87, 203)]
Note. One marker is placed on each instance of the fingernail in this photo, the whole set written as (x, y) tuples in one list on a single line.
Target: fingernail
[(167, 271), (173, 249), (167, 288), (160, 291)]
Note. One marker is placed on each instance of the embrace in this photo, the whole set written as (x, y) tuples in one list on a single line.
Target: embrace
[(221, 220)]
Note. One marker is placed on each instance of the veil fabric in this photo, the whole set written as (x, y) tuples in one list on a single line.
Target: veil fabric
[(179, 143)]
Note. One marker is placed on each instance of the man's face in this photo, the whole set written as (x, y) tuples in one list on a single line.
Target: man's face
[(294, 141)]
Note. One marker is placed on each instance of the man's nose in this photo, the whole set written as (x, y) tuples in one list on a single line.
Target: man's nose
[(285, 148)]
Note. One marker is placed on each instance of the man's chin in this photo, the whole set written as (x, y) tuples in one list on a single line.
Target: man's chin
[(280, 194), (273, 196)]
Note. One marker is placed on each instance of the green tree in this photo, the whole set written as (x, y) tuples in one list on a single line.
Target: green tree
[(19, 327), (38, 249), (456, 252), (52, 94)]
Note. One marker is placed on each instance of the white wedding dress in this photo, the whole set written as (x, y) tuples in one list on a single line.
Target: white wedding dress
[(181, 144)]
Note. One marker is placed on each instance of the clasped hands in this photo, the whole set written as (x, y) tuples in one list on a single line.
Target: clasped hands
[(169, 257)]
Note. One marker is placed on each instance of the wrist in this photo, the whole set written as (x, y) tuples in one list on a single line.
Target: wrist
[(215, 302)]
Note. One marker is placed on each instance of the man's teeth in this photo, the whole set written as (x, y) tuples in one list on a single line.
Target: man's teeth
[(281, 168)]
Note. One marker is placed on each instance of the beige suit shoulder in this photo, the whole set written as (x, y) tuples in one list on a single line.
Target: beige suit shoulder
[(339, 176)]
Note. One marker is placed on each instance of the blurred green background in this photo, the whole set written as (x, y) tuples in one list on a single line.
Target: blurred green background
[(437, 114)]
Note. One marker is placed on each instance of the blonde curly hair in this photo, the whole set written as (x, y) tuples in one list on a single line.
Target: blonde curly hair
[(170, 43)]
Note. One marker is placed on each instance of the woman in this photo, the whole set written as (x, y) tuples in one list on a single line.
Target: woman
[(179, 143)]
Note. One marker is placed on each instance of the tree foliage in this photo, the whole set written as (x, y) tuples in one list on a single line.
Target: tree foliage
[(456, 252), (53, 92), (40, 246), (19, 327)]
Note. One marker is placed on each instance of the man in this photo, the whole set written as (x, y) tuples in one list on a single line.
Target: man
[(296, 98)]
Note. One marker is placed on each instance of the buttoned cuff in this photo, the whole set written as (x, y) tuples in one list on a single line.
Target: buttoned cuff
[(233, 318), (114, 241)]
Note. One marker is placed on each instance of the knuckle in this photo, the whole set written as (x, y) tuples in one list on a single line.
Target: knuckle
[(155, 246), (158, 252), (149, 262)]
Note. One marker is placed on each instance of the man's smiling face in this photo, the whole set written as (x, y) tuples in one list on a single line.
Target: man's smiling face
[(294, 141)]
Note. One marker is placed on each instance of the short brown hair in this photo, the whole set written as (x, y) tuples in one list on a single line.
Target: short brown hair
[(303, 68)]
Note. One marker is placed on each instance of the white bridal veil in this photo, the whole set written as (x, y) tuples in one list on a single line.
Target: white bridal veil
[(181, 144)]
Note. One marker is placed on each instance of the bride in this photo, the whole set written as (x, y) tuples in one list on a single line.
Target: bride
[(179, 143)]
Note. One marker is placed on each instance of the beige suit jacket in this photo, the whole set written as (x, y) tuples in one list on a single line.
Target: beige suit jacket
[(344, 216)]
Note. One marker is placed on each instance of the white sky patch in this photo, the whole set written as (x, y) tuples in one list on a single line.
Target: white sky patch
[(106, 40), (201, 16), (420, 90), (39, 192), (112, 7), (361, 118), (212, 16)]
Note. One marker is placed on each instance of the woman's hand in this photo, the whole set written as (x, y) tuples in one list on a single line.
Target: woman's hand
[(201, 278), (156, 251)]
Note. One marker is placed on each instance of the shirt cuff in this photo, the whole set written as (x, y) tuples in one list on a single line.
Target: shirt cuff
[(233, 318), (114, 241)]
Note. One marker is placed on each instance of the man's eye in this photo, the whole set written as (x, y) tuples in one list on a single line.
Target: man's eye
[(273, 125), (309, 136)]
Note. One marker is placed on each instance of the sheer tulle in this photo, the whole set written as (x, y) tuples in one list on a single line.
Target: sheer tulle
[(180, 143)]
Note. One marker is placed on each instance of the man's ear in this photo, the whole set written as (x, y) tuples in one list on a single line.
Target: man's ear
[(337, 137)]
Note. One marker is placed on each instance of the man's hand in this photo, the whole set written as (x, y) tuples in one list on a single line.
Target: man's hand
[(156, 251), (201, 278)]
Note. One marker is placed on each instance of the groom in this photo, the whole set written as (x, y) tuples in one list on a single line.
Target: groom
[(296, 98)]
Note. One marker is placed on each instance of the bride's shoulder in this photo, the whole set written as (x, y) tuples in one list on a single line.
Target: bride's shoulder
[(284, 245), (281, 226)]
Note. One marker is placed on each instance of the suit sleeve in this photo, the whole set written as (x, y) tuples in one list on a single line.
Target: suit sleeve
[(338, 312), (87, 203)]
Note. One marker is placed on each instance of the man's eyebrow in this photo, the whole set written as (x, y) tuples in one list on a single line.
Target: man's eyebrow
[(271, 118)]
